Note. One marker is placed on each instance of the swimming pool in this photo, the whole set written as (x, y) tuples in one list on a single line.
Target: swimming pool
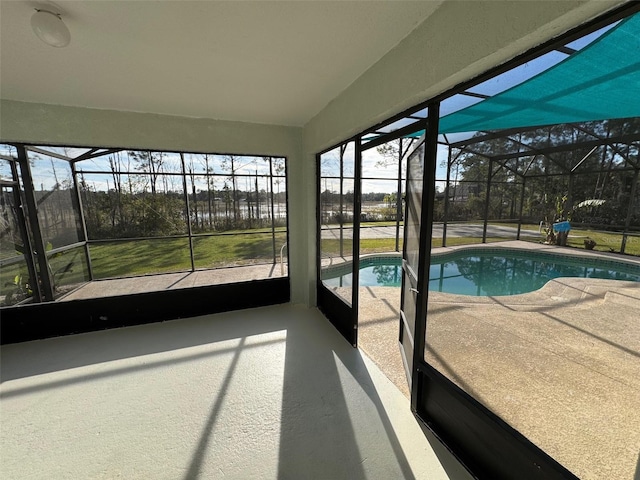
[(486, 272)]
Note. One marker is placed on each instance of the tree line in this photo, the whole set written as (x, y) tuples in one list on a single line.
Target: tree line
[(157, 202), (551, 185)]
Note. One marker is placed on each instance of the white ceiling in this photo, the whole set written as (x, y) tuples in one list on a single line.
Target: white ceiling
[(254, 61)]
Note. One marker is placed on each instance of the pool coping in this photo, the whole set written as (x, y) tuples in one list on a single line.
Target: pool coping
[(568, 291), (615, 258)]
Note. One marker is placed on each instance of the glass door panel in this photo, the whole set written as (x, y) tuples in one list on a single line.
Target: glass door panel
[(55, 196), (58, 215)]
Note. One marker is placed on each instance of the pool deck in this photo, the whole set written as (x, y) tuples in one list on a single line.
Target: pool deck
[(561, 364)]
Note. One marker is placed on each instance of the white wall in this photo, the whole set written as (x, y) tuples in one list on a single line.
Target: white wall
[(55, 125)]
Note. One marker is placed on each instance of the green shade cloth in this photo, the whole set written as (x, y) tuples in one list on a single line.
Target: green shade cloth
[(599, 82)]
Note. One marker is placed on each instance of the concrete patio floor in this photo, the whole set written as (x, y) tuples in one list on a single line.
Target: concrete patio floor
[(171, 281), (266, 393), (561, 364)]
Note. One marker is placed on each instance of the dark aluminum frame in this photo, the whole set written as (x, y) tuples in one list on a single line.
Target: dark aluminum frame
[(342, 315)]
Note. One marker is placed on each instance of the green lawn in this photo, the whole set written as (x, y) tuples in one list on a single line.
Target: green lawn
[(453, 241), (331, 246), (139, 257), (378, 245), (605, 242)]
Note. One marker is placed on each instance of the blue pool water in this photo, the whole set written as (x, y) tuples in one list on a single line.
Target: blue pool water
[(489, 273)]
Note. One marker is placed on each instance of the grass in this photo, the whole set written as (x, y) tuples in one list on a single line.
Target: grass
[(379, 245), (140, 257), (605, 241), (454, 241), (331, 246)]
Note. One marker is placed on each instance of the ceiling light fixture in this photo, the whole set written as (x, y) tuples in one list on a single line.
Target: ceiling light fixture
[(50, 28)]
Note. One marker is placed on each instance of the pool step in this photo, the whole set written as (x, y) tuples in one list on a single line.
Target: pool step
[(624, 296)]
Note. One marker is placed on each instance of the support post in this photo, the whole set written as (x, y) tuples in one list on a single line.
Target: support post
[(341, 217), (486, 205), (524, 183), (355, 247), (186, 200), (627, 223), (85, 235), (445, 214), (273, 217), (399, 195)]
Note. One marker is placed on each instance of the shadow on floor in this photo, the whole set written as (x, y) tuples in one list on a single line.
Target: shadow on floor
[(333, 422)]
